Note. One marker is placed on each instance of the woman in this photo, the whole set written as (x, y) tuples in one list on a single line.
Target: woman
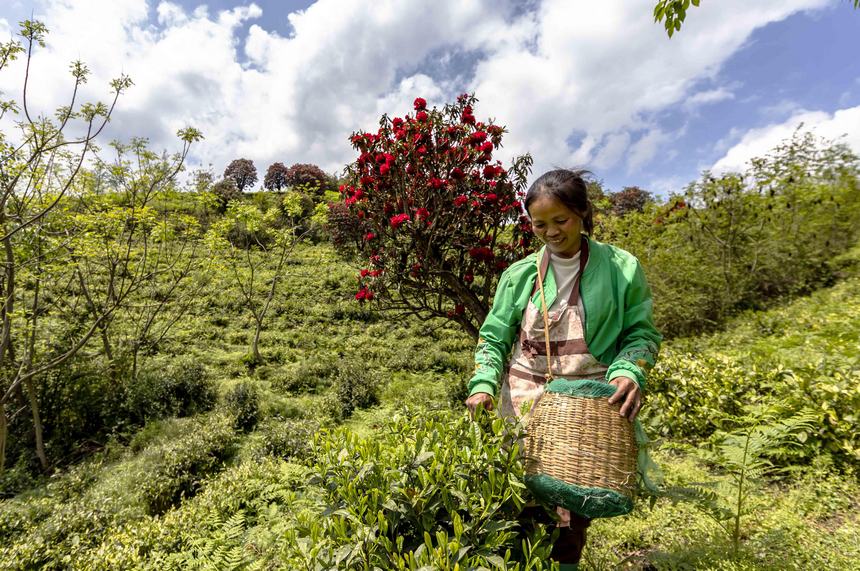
[(600, 321)]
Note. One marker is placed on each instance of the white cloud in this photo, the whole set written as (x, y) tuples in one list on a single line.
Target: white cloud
[(842, 125), (701, 98), (645, 149), (596, 68)]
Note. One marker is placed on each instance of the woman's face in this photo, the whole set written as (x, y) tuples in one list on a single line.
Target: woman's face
[(557, 225)]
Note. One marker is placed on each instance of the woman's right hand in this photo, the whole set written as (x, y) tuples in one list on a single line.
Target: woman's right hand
[(478, 399)]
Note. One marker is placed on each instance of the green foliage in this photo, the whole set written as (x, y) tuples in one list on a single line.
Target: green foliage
[(802, 356), (745, 456), (741, 241), (356, 387), (432, 489), (182, 388), (243, 402), (181, 466), (289, 439)]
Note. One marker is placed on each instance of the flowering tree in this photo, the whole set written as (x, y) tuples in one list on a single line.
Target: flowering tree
[(429, 213)]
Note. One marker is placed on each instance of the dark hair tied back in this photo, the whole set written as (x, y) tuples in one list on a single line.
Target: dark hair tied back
[(568, 186)]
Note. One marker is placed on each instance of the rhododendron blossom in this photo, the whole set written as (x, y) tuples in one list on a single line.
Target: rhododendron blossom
[(436, 217)]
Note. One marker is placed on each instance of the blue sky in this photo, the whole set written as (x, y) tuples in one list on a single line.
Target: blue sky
[(577, 83)]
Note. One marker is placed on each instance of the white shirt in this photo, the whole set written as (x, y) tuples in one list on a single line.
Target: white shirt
[(565, 271)]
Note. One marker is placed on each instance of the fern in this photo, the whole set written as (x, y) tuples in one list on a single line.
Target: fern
[(745, 454), (223, 549)]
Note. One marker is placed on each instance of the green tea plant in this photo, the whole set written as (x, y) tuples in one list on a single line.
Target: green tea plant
[(434, 488)]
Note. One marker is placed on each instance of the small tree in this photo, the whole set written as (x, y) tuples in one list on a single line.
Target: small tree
[(276, 177), (437, 218), (309, 176), (629, 199), (242, 172), (253, 248), (225, 190)]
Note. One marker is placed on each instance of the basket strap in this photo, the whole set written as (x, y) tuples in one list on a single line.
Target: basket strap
[(545, 318), (542, 264)]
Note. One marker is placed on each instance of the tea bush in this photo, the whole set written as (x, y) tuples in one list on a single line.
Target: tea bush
[(243, 402), (181, 388), (432, 488)]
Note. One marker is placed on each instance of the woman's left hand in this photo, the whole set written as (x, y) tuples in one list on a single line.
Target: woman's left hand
[(627, 392)]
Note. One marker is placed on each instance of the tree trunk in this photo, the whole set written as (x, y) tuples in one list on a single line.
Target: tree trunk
[(255, 345), (37, 423), (3, 432)]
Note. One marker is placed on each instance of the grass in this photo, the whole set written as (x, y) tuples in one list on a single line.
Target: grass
[(96, 515)]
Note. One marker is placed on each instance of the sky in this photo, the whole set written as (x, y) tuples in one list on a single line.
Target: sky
[(577, 83)]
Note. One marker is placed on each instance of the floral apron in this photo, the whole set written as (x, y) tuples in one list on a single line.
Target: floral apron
[(570, 358)]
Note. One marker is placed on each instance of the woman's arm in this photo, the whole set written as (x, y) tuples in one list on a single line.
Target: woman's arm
[(639, 341), (496, 337)]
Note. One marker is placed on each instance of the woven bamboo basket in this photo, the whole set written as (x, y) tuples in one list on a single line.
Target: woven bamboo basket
[(580, 453)]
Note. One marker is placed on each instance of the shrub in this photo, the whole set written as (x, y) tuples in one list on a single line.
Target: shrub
[(436, 489), (289, 439), (243, 401), (182, 388), (357, 387), (225, 191), (177, 469)]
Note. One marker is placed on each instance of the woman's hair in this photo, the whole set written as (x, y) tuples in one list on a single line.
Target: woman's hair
[(568, 186)]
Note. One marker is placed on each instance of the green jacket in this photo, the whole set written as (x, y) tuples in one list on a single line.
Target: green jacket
[(619, 329)]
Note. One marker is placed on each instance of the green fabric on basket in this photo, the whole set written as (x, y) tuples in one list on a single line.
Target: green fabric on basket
[(587, 502), (595, 502)]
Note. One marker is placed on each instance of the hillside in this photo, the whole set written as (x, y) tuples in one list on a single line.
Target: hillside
[(248, 484)]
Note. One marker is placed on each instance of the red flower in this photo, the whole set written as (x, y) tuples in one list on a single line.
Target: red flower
[(384, 168), (369, 236), (398, 219), (436, 183), (457, 173), (478, 136), (468, 278), (487, 147), (364, 273), (364, 294), (375, 273), (397, 122), (421, 150), (459, 309), (422, 214), (420, 104), (501, 265), (410, 169), (466, 116), (421, 116), (490, 172), (461, 200), (481, 253)]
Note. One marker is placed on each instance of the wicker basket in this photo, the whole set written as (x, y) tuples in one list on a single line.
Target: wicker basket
[(580, 453)]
